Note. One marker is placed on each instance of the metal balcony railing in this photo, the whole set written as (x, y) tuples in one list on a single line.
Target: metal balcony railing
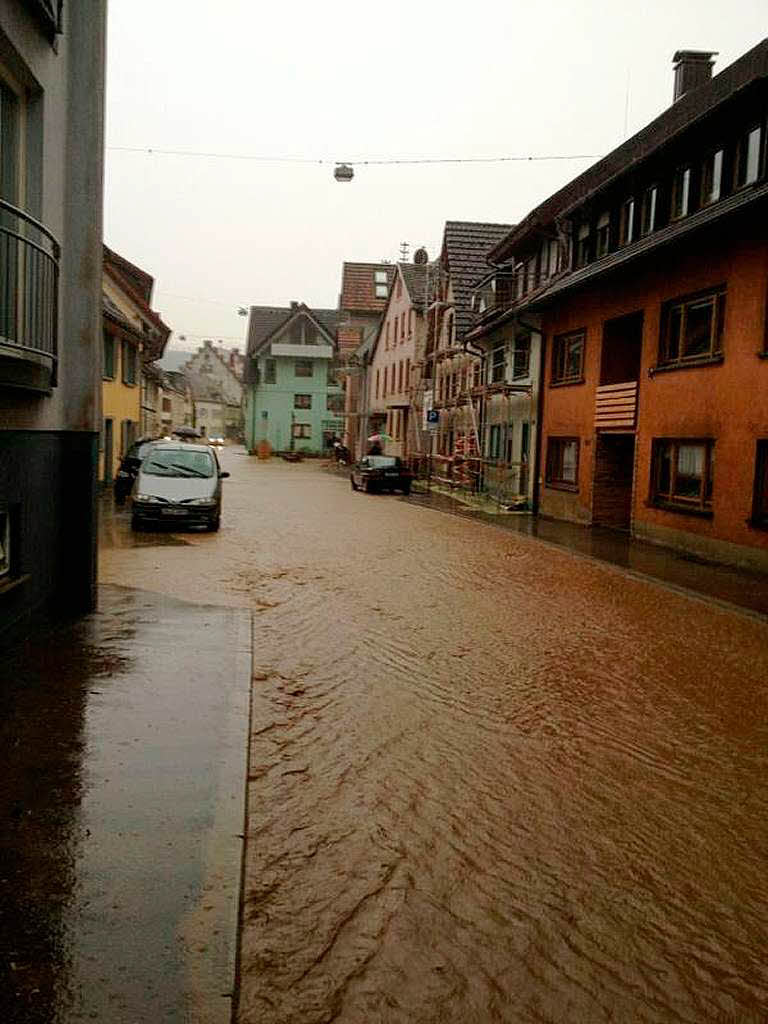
[(496, 292), (29, 284)]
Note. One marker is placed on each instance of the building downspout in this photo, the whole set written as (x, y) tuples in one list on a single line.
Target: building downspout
[(537, 448)]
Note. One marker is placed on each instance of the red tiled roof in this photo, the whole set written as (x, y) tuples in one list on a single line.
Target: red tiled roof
[(358, 292)]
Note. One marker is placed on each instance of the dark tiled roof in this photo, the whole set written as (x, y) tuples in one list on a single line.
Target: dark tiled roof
[(263, 321), (141, 281), (415, 277), (329, 318), (466, 245), (358, 292), (691, 107)]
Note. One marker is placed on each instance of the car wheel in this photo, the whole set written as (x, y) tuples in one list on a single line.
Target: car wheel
[(352, 481), (135, 523), (367, 486), (214, 525), (406, 490)]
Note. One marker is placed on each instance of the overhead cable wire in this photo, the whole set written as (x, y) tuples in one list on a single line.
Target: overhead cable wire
[(390, 161)]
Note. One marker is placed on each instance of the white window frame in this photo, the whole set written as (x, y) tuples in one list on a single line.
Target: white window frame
[(380, 284)]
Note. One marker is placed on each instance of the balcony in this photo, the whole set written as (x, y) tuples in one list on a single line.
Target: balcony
[(302, 351), (495, 293), (616, 406), (29, 301)]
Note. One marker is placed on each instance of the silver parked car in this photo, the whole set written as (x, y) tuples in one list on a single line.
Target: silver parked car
[(178, 483)]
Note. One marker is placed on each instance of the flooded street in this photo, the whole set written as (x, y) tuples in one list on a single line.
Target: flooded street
[(489, 780)]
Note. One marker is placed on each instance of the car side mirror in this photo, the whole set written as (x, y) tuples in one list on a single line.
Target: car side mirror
[(222, 475)]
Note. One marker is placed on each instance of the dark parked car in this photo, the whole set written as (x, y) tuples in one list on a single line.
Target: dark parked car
[(380, 473), (178, 483), (129, 468)]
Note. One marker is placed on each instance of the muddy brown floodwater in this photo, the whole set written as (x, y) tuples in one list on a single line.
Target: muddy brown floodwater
[(489, 780)]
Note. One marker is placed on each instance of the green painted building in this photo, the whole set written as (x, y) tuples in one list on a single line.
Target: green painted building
[(292, 397)]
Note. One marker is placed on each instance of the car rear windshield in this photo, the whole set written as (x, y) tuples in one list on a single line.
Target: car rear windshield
[(381, 462), (178, 462)]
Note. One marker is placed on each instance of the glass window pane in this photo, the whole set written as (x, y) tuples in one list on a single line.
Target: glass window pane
[(689, 471), (664, 470), (573, 358), (753, 155), (698, 328), (569, 455)]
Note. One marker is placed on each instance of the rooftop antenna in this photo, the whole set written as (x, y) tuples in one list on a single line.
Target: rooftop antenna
[(404, 252)]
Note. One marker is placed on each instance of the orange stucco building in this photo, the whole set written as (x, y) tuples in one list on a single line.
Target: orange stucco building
[(647, 278)]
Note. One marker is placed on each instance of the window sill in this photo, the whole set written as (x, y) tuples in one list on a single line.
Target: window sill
[(567, 383), (10, 585), (683, 510), (572, 488), (690, 364)]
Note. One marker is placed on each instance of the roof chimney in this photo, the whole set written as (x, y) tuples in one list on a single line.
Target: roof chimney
[(692, 69), (294, 305)]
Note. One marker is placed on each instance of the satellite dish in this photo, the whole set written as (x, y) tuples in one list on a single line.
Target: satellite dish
[(421, 257), (343, 172)]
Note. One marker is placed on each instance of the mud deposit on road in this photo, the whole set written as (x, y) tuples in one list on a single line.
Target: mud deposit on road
[(489, 781)]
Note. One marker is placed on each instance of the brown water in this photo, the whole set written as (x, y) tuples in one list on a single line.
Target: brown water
[(489, 780)]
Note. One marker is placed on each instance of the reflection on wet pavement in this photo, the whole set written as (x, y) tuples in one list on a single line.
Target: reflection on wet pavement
[(489, 780), (115, 529), (740, 587), (121, 759)]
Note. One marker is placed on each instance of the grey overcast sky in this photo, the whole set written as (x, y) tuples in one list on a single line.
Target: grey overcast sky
[(350, 80)]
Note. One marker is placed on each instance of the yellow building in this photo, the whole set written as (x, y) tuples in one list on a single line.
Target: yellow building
[(133, 336)]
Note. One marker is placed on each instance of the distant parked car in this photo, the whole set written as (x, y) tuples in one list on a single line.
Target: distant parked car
[(129, 467), (179, 483), (380, 473)]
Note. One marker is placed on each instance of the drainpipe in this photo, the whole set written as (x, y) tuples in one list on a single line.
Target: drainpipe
[(537, 465)]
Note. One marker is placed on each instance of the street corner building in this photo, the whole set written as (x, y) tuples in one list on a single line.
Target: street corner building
[(293, 400), (645, 284), (51, 169)]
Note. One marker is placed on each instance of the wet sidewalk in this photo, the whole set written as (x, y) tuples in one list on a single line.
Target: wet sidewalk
[(123, 746), (738, 588)]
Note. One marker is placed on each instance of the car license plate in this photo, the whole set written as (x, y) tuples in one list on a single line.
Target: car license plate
[(174, 511), (391, 472)]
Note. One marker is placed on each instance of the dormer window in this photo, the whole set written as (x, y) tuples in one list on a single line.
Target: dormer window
[(380, 284), (603, 240), (681, 193), (627, 222), (648, 210), (748, 157), (712, 178)]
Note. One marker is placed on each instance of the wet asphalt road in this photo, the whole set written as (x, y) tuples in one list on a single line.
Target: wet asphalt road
[(489, 780)]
